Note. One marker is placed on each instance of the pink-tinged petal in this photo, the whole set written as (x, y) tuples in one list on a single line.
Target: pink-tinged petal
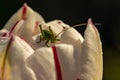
[(18, 52), (23, 13), (13, 53), (36, 28), (28, 29), (42, 63), (57, 26), (66, 56), (4, 33), (26, 26), (91, 54), (70, 36), (16, 27)]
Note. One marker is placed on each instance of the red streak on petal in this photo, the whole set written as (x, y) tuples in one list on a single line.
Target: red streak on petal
[(57, 64), (59, 22), (12, 29), (36, 30), (77, 79), (24, 11), (23, 39), (4, 34), (90, 22), (36, 23)]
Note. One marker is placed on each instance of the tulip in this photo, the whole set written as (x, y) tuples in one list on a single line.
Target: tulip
[(71, 58)]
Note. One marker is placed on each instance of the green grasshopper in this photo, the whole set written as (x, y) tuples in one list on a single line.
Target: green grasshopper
[(50, 37)]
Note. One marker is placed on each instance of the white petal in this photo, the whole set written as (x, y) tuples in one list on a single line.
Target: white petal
[(91, 54), (25, 23), (70, 36), (27, 32), (66, 55), (4, 39), (4, 33), (57, 26), (17, 26), (13, 53), (18, 52), (42, 63), (3, 46)]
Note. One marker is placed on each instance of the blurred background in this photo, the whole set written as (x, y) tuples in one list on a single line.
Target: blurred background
[(106, 12)]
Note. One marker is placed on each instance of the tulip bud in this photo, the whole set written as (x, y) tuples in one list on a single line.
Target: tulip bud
[(73, 57)]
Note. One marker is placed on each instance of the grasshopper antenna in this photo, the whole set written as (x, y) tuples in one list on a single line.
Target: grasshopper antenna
[(84, 24), (77, 25)]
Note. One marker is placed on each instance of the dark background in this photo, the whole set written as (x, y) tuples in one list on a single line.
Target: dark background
[(106, 12)]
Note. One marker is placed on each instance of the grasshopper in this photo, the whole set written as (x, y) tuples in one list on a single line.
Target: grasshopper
[(50, 37)]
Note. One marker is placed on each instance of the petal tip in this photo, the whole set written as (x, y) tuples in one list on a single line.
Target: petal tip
[(25, 4), (89, 21)]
